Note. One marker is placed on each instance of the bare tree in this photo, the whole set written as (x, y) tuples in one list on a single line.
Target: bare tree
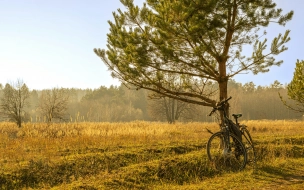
[(14, 101), (53, 103), (164, 108)]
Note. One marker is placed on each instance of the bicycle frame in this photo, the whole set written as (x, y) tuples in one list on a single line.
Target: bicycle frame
[(225, 124), (229, 141), (225, 127)]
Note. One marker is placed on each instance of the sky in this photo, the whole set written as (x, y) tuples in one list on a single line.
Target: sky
[(50, 43)]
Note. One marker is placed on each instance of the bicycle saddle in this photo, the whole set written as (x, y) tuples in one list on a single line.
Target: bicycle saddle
[(237, 115)]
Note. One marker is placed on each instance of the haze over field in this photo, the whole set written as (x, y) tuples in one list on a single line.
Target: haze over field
[(50, 43), (192, 119)]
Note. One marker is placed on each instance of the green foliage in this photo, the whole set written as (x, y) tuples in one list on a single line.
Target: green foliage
[(113, 104), (103, 92), (296, 88), (193, 42), (118, 104)]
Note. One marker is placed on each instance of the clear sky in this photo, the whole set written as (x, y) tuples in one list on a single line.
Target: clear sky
[(49, 43)]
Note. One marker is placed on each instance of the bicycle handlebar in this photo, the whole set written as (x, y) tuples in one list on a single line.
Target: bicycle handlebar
[(213, 110), (224, 101), (219, 105)]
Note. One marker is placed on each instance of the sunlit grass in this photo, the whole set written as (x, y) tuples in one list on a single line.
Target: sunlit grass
[(119, 154)]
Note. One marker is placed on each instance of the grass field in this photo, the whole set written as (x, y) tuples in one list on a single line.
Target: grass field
[(143, 155)]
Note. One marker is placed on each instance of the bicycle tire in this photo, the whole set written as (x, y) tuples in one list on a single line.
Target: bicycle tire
[(221, 157), (249, 145)]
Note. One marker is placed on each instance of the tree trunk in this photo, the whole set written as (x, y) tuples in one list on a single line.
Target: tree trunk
[(167, 110), (223, 84), (223, 90), (224, 94), (19, 121), (172, 111)]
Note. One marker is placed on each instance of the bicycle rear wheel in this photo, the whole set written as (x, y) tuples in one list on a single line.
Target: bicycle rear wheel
[(224, 155), (249, 146)]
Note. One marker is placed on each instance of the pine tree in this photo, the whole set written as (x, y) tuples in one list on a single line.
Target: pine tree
[(295, 89), (198, 42)]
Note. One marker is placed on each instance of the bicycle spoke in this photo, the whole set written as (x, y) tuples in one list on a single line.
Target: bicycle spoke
[(222, 156)]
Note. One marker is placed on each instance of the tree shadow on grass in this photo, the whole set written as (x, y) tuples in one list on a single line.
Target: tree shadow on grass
[(280, 175)]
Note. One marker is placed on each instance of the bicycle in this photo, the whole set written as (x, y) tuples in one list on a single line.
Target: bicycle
[(225, 148)]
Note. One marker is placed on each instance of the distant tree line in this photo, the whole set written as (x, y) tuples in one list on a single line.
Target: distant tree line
[(120, 104)]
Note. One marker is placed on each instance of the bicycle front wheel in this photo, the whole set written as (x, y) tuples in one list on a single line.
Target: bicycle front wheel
[(226, 153)]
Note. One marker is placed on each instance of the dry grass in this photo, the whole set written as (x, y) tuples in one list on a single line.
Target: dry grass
[(117, 155)]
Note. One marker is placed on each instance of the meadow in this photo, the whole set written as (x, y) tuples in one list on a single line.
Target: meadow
[(143, 155)]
